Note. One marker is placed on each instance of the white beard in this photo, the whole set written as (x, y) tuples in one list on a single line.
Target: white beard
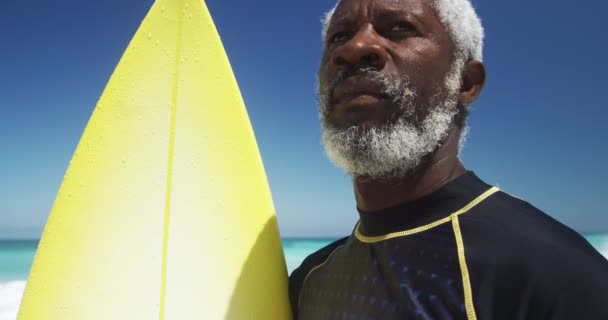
[(396, 149)]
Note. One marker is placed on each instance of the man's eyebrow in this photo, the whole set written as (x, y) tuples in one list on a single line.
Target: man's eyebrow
[(344, 19), (340, 20), (388, 14)]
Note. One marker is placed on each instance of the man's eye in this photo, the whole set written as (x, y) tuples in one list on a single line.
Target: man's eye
[(340, 37), (401, 27)]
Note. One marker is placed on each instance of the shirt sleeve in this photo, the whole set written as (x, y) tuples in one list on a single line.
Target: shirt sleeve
[(585, 297), (297, 277)]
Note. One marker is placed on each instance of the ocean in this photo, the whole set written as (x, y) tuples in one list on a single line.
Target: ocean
[(16, 258)]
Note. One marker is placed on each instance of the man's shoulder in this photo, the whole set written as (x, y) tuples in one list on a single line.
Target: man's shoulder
[(297, 277), (503, 205), (522, 251), (511, 218), (511, 232), (314, 259)]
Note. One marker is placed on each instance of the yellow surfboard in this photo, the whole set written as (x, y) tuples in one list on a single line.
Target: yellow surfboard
[(165, 211)]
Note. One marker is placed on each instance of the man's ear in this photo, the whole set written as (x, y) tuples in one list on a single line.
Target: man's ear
[(473, 79)]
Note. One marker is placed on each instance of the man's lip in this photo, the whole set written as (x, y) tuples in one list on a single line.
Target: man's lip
[(357, 102), (355, 87), (356, 110)]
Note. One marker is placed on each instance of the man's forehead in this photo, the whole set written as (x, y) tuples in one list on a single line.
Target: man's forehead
[(351, 8)]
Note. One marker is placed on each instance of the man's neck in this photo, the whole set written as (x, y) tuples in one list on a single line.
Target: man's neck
[(443, 167)]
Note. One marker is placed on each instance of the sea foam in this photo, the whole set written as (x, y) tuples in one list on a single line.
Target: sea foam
[(11, 292), (10, 298)]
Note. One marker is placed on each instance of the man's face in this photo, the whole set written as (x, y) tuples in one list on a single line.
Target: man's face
[(384, 71)]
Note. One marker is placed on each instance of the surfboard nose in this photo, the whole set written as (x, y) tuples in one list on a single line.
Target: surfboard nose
[(165, 210)]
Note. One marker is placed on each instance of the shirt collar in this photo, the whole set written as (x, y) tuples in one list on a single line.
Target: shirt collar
[(432, 207)]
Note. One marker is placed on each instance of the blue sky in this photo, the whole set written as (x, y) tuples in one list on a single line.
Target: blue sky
[(537, 130)]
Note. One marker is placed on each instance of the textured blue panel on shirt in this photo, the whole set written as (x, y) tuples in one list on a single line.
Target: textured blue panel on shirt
[(412, 277)]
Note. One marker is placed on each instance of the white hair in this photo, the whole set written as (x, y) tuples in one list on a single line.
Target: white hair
[(461, 21)]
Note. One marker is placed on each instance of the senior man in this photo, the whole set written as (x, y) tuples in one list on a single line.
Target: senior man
[(433, 240)]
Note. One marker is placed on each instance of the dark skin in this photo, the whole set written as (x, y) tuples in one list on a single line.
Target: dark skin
[(402, 39)]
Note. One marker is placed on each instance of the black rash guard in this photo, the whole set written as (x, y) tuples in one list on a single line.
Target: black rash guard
[(466, 251)]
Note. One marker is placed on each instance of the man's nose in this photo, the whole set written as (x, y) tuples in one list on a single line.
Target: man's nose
[(364, 49)]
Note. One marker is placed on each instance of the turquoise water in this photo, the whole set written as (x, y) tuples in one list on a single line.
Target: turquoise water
[(599, 241), (16, 259), (16, 256), (297, 249)]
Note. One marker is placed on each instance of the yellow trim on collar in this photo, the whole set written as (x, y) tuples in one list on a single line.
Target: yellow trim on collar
[(466, 208)]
